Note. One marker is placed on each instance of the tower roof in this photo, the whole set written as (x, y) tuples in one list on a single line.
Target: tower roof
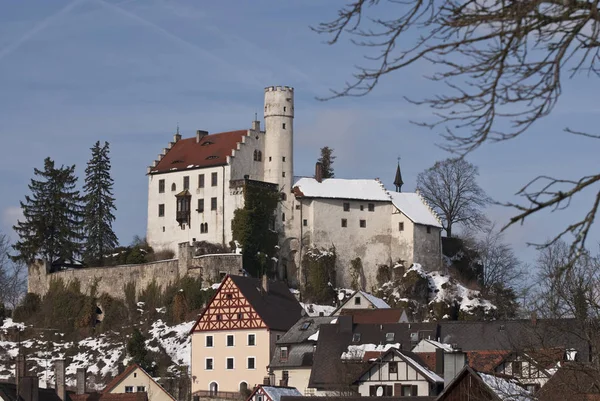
[(398, 180)]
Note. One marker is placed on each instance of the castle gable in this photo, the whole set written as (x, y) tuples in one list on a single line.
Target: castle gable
[(337, 188), (209, 151), (415, 208)]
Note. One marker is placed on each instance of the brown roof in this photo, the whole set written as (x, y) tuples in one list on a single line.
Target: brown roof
[(118, 379), (376, 316), (485, 361), (212, 150), (138, 396), (574, 382)]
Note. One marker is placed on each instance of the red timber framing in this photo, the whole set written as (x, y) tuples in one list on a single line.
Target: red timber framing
[(228, 310)]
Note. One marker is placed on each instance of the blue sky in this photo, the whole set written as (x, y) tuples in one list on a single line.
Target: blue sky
[(126, 72)]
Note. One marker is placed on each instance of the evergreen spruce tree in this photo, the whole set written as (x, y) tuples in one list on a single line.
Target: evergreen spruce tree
[(326, 161), (52, 225), (99, 206)]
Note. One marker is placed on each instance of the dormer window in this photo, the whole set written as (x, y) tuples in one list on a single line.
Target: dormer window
[(355, 337), (207, 143), (212, 157), (389, 337)]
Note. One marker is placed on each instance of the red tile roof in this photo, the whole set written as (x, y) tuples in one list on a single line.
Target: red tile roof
[(138, 396), (485, 361), (212, 150)]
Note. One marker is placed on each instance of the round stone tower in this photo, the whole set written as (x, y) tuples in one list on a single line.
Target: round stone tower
[(279, 137)]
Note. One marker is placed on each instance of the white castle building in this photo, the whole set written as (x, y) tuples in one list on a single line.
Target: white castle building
[(196, 185)]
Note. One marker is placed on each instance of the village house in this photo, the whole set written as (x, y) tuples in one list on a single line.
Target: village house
[(361, 300), (233, 340), (135, 379), (293, 358)]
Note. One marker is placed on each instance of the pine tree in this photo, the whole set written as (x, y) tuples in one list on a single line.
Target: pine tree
[(99, 206), (52, 225), (326, 161)]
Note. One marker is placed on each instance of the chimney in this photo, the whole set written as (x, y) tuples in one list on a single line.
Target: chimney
[(319, 172), (256, 125), (283, 382), (59, 375), (439, 361), (80, 380), (266, 381), (265, 283), (29, 388), (200, 134), (454, 361)]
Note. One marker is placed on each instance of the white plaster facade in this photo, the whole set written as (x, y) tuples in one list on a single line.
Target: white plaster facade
[(372, 220)]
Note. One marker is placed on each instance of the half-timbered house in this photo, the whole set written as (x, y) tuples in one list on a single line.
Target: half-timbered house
[(272, 393), (234, 338), (399, 374)]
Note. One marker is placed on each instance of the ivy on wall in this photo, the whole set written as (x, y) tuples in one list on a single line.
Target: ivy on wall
[(319, 270), (252, 227)]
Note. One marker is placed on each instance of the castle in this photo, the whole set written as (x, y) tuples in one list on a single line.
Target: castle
[(196, 184)]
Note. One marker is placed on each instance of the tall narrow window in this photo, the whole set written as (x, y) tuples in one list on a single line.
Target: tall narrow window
[(161, 210), (282, 216), (401, 226), (229, 363), (251, 363), (200, 205), (186, 182), (283, 173), (283, 125), (283, 355), (209, 341), (255, 155), (371, 207), (259, 156), (346, 206), (251, 339), (173, 187), (428, 229), (161, 186), (213, 203), (344, 223), (209, 364), (200, 180), (213, 179), (230, 340)]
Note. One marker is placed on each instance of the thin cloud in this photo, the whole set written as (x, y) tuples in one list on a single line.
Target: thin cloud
[(38, 28)]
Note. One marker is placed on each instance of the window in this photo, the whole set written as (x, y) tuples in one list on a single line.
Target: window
[(213, 203), (209, 341), (283, 158), (346, 206), (371, 207), (284, 108), (355, 337), (283, 173), (251, 339), (200, 180), (408, 390), (161, 186), (277, 337), (141, 389), (282, 216), (129, 389), (362, 207), (283, 196), (384, 391), (257, 156), (283, 354), (305, 326), (363, 223), (186, 182), (173, 187), (389, 337), (517, 368), (428, 229), (200, 206), (213, 179), (230, 340), (344, 223), (298, 207), (203, 228), (269, 158), (251, 363), (401, 226), (240, 316), (393, 366), (229, 363), (219, 317), (161, 210), (208, 364), (304, 222), (357, 301), (229, 296), (283, 125)]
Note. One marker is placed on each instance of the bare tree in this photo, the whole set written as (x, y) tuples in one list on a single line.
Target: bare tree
[(501, 63), (451, 188), (12, 276)]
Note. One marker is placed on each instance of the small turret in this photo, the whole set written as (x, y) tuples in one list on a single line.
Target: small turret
[(398, 180)]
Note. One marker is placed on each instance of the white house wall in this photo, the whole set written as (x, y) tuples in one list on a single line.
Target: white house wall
[(402, 246), (427, 247), (406, 375)]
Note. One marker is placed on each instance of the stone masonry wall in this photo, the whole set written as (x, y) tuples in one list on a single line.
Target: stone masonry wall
[(112, 280)]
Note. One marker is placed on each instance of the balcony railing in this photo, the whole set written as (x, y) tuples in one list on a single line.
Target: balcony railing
[(231, 395)]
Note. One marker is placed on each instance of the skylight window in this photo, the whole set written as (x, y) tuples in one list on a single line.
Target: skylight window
[(212, 157), (207, 143), (305, 326), (389, 337), (356, 337), (176, 161)]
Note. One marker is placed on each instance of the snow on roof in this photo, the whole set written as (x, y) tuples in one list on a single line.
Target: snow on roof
[(317, 310), (422, 345), (275, 393), (423, 370), (338, 188), (377, 302), (415, 208), (355, 352), (505, 389), (314, 337)]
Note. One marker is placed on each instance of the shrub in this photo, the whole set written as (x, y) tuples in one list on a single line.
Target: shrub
[(28, 307)]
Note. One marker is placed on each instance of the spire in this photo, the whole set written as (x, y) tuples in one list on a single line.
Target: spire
[(398, 180)]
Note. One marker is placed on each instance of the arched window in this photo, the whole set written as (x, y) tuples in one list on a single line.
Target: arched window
[(214, 388), (259, 156), (173, 187), (243, 387), (255, 155)]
